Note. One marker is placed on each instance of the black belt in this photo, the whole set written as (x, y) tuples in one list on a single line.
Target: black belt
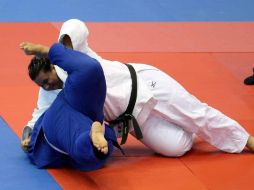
[(127, 118)]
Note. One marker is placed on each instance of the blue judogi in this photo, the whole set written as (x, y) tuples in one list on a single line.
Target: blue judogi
[(67, 123)]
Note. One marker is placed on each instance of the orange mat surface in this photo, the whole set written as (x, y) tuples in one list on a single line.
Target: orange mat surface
[(215, 78)]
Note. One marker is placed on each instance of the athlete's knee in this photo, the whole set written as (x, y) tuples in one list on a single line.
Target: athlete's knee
[(174, 151), (173, 147)]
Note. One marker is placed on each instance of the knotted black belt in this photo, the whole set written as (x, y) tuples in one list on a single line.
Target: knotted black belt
[(126, 119)]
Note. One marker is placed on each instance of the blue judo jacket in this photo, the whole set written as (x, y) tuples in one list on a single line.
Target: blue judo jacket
[(67, 123)]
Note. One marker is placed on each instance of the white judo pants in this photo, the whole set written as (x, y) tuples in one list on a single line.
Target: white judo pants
[(178, 115)]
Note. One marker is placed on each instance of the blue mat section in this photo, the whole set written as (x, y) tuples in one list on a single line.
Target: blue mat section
[(16, 171), (126, 10)]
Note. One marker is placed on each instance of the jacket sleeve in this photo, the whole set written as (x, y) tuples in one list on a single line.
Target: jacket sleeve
[(70, 60), (45, 99)]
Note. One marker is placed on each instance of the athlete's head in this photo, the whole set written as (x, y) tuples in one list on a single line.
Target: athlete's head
[(43, 73), (74, 34)]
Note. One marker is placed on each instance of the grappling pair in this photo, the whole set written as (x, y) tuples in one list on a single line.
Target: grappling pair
[(167, 114)]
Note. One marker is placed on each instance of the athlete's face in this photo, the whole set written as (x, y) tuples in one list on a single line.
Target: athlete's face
[(49, 80), (66, 41)]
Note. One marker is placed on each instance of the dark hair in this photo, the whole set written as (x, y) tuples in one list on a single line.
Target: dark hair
[(36, 65)]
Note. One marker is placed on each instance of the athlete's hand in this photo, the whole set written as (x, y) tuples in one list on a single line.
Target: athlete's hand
[(29, 48), (25, 144), (26, 138), (34, 49)]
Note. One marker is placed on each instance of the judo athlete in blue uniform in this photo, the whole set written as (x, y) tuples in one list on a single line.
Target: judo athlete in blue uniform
[(66, 134)]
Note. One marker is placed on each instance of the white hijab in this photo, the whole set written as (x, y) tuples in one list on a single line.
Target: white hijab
[(78, 32)]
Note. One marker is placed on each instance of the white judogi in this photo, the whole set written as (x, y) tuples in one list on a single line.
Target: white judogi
[(167, 114)]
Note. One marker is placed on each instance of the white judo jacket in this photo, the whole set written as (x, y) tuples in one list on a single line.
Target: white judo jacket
[(118, 81)]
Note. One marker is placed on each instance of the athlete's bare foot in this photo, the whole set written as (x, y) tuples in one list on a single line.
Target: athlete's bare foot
[(97, 137), (250, 143)]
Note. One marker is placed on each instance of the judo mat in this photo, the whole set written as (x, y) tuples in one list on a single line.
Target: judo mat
[(207, 47)]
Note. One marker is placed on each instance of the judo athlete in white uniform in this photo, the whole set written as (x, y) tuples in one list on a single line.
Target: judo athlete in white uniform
[(70, 132), (167, 114)]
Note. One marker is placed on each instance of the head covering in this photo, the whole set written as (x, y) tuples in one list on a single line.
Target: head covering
[(78, 33)]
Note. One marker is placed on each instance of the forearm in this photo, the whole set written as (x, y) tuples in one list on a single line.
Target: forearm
[(42, 50)]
